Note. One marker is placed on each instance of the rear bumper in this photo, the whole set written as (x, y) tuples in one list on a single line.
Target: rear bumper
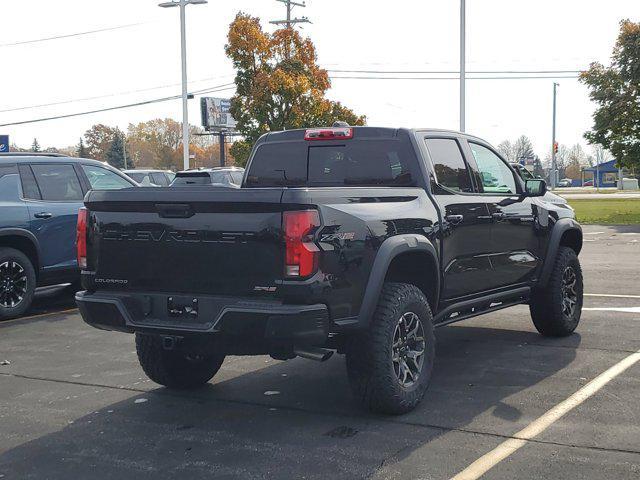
[(268, 320)]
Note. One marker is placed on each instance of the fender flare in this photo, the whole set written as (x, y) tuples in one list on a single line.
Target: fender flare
[(21, 232), (563, 225), (391, 248)]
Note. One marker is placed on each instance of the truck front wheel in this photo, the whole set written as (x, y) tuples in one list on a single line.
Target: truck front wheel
[(175, 368), (556, 308), (389, 365)]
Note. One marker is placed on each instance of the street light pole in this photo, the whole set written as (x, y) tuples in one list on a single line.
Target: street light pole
[(553, 140), (463, 66), (183, 55)]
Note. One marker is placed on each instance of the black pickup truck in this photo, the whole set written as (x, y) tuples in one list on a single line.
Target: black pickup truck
[(356, 240)]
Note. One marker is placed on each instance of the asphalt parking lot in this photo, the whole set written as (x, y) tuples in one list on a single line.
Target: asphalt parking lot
[(75, 404)]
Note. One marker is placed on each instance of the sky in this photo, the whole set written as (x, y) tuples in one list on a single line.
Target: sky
[(141, 61)]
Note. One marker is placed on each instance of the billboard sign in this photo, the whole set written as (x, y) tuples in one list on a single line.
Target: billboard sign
[(215, 114), (4, 143)]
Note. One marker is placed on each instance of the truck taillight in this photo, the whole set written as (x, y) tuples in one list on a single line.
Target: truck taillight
[(301, 258), (81, 237)]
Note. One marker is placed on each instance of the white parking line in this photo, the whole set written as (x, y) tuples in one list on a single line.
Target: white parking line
[(610, 295), (593, 233), (535, 428), (614, 309)]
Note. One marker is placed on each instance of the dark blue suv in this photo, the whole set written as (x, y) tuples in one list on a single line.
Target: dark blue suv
[(40, 195)]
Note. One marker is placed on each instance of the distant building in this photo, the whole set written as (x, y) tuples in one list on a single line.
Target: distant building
[(607, 174)]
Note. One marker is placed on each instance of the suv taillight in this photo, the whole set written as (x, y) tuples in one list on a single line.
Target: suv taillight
[(81, 237), (301, 257)]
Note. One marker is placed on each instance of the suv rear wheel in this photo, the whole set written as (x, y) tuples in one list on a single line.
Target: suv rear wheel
[(175, 368), (17, 283), (389, 365), (556, 308)]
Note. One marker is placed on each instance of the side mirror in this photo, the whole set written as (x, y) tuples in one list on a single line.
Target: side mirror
[(535, 188)]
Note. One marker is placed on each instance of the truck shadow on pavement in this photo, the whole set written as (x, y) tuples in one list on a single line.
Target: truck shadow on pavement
[(297, 419)]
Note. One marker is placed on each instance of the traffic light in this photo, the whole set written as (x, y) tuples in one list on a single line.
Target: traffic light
[(555, 147)]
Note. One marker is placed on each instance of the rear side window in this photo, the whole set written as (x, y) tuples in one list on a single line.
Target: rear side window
[(58, 182), (7, 170), (8, 182), (159, 179), (30, 188), (352, 163), (449, 165)]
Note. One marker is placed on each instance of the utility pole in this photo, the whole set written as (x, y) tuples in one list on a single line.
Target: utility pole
[(463, 64), (222, 150), (554, 180), (291, 21), (124, 149), (183, 55)]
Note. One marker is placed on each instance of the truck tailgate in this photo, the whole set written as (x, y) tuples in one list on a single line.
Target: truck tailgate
[(199, 240)]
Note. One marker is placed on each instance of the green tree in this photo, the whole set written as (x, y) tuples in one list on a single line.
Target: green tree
[(35, 146), (81, 150), (115, 154), (278, 84), (616, 92)]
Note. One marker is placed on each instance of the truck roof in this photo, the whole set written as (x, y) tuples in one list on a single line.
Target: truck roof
[(361, 132)]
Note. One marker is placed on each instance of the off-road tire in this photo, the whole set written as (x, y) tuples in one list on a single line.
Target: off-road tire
[(12, 255), (370, 366), (175, 368), (546, 304)]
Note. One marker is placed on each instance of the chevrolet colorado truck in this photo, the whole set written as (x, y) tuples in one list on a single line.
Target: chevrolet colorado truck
[(358, 240)]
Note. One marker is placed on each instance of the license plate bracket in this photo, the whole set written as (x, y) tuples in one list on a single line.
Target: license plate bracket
[(182, 307)]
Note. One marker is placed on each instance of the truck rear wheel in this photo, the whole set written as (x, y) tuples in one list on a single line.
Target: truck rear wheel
[(175, 368), (389, 365), (17, 283), (556, 308)]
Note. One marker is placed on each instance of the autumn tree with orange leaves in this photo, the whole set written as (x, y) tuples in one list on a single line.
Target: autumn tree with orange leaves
[(278, 84)]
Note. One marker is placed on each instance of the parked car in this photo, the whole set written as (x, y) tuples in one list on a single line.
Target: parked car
[(217, 176), (588, 183), (356, 240), (158, 178), (40, 195), (565, 182), (548, 196)]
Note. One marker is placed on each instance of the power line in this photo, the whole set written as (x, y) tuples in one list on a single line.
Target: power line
[(74, 100), (444, 72), (218, 88), (57, 37), (528, 77)]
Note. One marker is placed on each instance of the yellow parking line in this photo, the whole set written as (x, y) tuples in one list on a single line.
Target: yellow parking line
[(37, 316), (506, 448)]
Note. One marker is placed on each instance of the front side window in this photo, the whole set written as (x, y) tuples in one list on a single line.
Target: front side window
[(496, 176), (103, 179), (57, 182), (449, 165)]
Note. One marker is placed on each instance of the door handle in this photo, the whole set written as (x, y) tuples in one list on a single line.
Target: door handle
[(498, 215), (43, 215), (454, 219)]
